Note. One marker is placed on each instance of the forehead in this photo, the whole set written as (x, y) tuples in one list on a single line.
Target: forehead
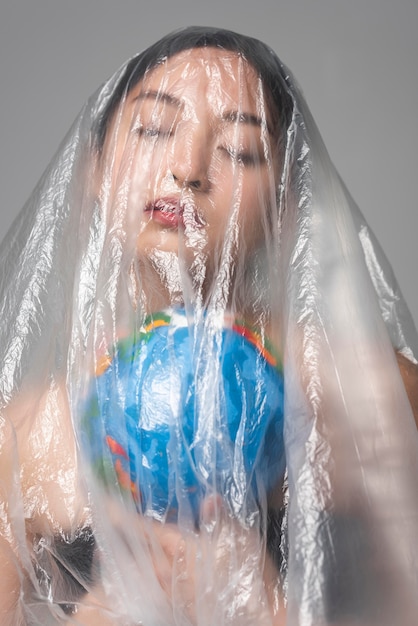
[(223, 78)]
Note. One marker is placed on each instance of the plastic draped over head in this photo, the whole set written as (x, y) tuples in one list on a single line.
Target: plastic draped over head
[(203, 420)]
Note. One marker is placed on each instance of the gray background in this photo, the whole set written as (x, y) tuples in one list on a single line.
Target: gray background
[(357, 61)]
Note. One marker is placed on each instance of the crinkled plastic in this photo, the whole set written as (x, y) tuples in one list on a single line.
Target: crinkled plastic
[(203, 420)]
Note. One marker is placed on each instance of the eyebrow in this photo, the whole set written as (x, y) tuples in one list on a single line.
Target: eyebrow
[(232, 116), (246, 118), (159, 95)]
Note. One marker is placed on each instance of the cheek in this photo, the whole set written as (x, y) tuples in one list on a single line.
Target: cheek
[(256, 198), (137, 179), (256, 211), (243, 196), (130, 165)]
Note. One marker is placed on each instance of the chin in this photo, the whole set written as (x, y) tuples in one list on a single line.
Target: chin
[(149, 243)]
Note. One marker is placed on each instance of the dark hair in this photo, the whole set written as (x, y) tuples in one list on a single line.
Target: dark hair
[(258, 54)]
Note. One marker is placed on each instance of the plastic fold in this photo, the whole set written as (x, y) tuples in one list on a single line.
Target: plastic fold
[(203, 420)]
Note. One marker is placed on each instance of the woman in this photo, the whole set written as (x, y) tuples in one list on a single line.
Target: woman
[(189, 257)]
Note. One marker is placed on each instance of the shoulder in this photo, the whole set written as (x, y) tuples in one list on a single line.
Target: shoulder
[(409, 373), (42, 442)]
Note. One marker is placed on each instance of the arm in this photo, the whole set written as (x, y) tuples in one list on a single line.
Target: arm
[(10, 585), (43, 504)]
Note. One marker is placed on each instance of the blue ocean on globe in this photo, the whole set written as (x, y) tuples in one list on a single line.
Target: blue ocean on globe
[(181, 411)]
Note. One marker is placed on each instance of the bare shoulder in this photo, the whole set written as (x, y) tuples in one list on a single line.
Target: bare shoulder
[(409, 373), (42, 441)]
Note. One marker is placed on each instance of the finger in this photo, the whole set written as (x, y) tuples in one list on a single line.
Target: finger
[(212, 512)]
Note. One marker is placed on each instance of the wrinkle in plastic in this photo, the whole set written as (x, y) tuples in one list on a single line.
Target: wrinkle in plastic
[(202, 416)]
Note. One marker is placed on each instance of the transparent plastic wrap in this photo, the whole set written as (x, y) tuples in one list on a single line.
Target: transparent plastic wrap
[(205, 366)]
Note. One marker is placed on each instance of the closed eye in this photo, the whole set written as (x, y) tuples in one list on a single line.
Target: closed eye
[(248, 158), (151, 132)]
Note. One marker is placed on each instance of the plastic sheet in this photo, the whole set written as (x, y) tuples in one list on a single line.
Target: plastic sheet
[(203, 419)]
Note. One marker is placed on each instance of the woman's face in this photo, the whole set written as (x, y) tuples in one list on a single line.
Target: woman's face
[(192, 158)]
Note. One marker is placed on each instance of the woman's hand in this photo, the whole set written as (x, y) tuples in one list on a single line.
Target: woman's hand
[(221, 574)]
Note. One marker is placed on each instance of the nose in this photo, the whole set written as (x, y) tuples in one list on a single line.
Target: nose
[(190, 157)]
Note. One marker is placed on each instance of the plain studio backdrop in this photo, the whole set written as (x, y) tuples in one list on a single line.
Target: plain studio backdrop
[(357, 62)]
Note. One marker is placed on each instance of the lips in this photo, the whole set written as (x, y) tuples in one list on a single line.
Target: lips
[(172, 213), (166, 211)]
